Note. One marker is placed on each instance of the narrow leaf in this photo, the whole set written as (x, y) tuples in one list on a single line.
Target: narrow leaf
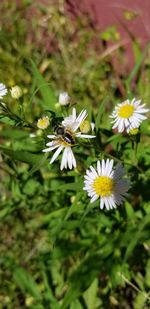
[(26, 282), (100, 114), (49, 99)]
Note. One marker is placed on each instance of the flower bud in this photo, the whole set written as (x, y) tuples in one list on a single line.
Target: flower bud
[(32, 135), (43, 122), (92, 126), (85, 126), (64, 98), (16, 92), (134, 131)]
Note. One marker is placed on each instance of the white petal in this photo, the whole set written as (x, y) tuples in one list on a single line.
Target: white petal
[(70, 158), (56, 154), (103, 167), (142, 110), (111, 202), (79, 134), (141, 117), (119, 171), (51, 136), (116, 124), (64, 160), (101, 203), (74, 113), (79, 119), (110, 166), (87, 178), (93, 171), (50, 148), (107, 167), (51, 143), (3, 90), (99, 168), (121, 125), (94, 198), (106, 203), (126, 122), (90, 174), (73, 160)]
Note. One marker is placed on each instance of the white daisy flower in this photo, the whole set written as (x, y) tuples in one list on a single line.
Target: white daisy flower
[(106, 183), (3, 90), (65, 138), (64, 98), (128, 115)]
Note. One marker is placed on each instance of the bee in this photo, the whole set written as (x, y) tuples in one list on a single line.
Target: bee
[(65, 134)]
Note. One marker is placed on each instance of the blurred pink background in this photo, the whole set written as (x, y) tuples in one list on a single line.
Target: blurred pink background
[(106, 13)]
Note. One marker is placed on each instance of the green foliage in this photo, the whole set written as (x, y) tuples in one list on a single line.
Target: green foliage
[(47, 94), (58, 250)]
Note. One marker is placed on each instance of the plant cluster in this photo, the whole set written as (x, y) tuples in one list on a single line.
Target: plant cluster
[(60, 151), (65, 220)]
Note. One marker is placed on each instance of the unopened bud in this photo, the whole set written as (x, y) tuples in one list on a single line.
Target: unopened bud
[(29, 301), (134, 131), (32, 135), (73, 198), (16, 92), (43, 122), (64, 98), (92, 126), (85, 126)]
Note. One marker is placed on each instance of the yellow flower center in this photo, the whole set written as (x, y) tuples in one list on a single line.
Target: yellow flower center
[(126, 111), (42, 122), (103, 186), (64, 143)]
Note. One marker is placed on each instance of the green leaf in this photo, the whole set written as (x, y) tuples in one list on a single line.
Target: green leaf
[(38, 165), (129, 210), (44, 219), (75, 186), (23, 156), (147, 277), (140, 301), (87, 272), (90, 296), (4, 212), (100, 114), (30, 187), (7, 120), (49, 99), (76, 206), (137, 66), (15, 134), (76, 305), (136, 237), (26, 283), (49, 294)]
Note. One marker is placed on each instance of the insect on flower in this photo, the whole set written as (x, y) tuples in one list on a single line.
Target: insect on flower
[(65, 134), (64, 138)]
